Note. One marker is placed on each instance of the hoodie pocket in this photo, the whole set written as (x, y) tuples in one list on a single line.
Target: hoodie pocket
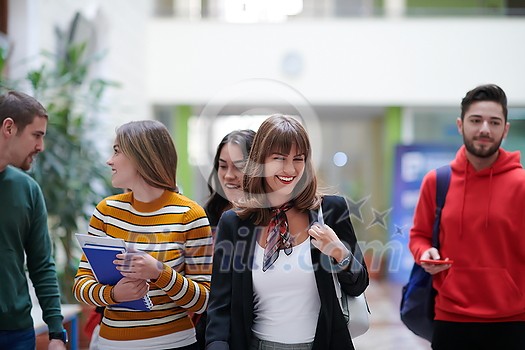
[(483, 292)]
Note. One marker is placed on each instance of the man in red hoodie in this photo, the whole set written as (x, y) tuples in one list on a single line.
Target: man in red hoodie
[(480, 302)]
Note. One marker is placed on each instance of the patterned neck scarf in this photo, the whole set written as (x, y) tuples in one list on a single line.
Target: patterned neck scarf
[(278, 236)]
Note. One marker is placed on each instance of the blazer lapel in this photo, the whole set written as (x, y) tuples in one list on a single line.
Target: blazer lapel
[(324, 286), (246, 255)]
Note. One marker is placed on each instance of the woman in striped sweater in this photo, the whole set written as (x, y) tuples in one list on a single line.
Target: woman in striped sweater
[(171, 235)]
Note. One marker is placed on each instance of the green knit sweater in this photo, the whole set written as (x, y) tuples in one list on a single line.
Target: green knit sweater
[(23, 229)]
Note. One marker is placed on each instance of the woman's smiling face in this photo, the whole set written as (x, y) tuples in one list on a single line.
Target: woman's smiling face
[(282, 172), (231, 163), (124, 173)]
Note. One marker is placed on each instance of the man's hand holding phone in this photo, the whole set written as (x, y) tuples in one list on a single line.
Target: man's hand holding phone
[(432, 263), (437, 262)]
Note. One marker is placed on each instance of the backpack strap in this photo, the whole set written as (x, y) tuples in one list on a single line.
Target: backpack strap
[(442, 181)]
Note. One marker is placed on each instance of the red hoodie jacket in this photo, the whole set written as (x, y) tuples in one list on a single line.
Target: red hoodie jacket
[(483, 231)]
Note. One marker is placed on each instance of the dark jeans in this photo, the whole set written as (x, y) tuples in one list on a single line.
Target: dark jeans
[(193, 346), (478, 336), (258, 344), (18, 340), (200, 329)]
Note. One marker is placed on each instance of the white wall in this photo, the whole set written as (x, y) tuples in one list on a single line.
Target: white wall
[(121, 31), (355, 61)]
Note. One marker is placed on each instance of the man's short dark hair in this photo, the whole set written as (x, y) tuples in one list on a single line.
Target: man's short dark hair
[(489, 92), (20, 107)]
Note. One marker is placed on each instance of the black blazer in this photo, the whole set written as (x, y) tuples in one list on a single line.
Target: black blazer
[(230, 308)]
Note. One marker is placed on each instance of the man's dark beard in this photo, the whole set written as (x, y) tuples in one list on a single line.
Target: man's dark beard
[(481, 152)]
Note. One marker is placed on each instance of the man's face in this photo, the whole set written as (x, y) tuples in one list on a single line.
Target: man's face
[(26, 144), (483, 128)]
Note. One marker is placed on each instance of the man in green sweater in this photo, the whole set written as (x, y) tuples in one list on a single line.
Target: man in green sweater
[(24, 237)]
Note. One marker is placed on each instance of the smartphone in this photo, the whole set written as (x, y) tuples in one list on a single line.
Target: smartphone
[(437, 262)]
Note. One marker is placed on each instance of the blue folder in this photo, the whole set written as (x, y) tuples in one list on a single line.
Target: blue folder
[(101, 260)]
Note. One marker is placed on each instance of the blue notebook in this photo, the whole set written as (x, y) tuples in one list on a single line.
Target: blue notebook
[(101, 258)]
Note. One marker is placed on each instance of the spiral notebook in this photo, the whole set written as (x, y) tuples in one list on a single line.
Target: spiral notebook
[(100, 253)]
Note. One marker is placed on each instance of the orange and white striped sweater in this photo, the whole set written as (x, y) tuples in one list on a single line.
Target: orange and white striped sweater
[(174, 230)]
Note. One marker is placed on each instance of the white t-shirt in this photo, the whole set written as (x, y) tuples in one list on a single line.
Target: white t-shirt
[(286, 299)]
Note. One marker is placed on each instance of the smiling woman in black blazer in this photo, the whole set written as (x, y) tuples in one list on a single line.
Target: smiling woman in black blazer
[(271, 282)]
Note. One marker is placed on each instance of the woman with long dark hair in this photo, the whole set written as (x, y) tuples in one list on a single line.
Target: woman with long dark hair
[(225, 186)]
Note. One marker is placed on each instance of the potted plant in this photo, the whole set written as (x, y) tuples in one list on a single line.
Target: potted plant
[(71, 171)]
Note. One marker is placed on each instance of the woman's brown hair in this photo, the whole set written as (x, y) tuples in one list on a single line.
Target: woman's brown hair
[(277, 134), (149, 145)]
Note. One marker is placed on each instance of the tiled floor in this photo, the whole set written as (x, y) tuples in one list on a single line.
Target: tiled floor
[(386, 330)]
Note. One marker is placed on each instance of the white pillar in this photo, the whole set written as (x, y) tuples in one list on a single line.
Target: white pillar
[(23, 36), (395, 8), (188, 9)]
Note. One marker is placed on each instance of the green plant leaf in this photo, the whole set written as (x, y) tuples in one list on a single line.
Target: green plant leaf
[(71, 171)]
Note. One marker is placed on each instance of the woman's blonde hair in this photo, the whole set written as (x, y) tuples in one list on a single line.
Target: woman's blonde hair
[(277, 134), (149, 145)]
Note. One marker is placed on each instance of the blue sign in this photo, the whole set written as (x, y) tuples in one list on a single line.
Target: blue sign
[(412, 163)]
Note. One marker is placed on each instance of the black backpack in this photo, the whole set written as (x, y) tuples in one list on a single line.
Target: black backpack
[(417, 299)]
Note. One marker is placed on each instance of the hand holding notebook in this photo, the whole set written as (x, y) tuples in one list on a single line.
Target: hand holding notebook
[(100, 253), (139, 265)]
